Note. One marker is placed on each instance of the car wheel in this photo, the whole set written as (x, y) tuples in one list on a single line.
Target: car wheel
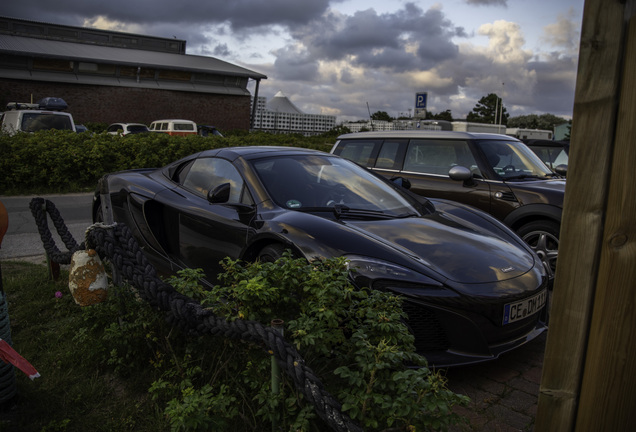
[(271, 253), (543, 238)]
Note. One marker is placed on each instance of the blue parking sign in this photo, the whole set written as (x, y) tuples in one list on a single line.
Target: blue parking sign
[(420, 100)]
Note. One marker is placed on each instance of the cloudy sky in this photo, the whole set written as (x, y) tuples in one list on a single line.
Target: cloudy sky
[(336, 56)]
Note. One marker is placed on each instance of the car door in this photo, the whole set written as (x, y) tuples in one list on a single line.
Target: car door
[(427, 163), (205, 233)]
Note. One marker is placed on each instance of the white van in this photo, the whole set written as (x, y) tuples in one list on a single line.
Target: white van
[(30, 117), (174, 127)]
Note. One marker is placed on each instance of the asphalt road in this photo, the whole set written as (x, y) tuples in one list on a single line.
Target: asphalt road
[(22, 239)]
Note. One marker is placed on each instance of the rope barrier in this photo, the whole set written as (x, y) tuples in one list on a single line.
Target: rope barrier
[(116, 244)]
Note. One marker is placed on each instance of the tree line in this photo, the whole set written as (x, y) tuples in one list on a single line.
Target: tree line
[(489, 110)]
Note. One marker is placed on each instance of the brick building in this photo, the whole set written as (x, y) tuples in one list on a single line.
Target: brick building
[(108, 76)]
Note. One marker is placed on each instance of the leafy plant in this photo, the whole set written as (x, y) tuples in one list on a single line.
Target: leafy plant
[(355, 337), (354, 340)]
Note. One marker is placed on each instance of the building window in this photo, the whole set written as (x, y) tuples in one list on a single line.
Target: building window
[(14, 61), (175, 75), (52, 65), (96, 68), (133, 72)]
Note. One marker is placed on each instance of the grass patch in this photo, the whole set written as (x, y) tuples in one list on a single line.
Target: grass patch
[(120, 365), (74, 392)]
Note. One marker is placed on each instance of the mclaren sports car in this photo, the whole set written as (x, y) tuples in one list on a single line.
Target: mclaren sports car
[(472, 288)]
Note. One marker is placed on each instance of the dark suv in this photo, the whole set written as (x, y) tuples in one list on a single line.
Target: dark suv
[(495, 173)]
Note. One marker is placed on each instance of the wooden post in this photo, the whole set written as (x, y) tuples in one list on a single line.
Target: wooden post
[(589, 372)]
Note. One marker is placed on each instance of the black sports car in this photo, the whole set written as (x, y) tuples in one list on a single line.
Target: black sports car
[(472, 288)]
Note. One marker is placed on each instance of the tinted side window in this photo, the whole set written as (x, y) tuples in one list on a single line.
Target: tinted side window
[(184, 126), (391, 154), (208, 173), (360, 151), (438, 156)]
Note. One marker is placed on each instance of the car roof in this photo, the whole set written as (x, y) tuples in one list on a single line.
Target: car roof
[(426, 134), (254, 152), (173, 120)]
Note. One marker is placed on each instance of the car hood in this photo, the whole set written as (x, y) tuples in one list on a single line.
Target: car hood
[(451, 247)]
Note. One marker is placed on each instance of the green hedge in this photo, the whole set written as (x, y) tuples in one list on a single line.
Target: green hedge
[(62, 161)]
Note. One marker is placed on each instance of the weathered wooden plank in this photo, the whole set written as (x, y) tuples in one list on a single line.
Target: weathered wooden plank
[(594, 122), (608, 390)]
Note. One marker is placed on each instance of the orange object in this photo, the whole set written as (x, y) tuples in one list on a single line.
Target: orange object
[(88, 282)]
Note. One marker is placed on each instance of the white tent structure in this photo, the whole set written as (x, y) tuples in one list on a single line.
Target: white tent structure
[(281, 103)]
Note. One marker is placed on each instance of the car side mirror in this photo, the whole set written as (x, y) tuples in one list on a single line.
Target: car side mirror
[(561, 169), (401, 181), (220, 194), (461, 173)]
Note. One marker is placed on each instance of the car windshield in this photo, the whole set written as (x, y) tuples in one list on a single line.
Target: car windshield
[(513, 160), (137, 128), (329, 183)]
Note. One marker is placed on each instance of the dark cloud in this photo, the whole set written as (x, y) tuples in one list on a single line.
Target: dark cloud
[(383, 40), (295, 64), (221, 51), (334, 63), (240, 13), (555, 85)]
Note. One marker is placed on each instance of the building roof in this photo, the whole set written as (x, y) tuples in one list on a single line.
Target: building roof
[(280, 103), (21, 45)]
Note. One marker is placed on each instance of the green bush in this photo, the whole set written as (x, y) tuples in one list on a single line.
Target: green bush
[(119, 365), (64, 161), (355, 339)]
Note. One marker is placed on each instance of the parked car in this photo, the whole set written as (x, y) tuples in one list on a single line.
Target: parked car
[(471, 287), (127, 128), (495, 173), (207, 130), (79, 128), (174, 127), (32, 117), (554, 154)]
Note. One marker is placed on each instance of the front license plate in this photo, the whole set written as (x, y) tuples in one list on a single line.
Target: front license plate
[(522, 309)]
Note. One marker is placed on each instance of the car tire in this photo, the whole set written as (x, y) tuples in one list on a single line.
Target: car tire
[(271, 253), (543, 237)]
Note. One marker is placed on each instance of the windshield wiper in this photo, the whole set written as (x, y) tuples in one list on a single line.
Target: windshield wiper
[(341, 210)]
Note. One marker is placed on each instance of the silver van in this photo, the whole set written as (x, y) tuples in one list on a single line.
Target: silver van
[(29, 117)]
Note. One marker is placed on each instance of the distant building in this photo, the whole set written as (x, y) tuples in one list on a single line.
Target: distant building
[(280, 115), (109, 77), (382, 125)]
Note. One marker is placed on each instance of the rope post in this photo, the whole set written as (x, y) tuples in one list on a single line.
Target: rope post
[(277, 325), (107, 217), (54, 267)]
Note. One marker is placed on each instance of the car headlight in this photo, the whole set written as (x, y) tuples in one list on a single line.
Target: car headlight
[(373, 268)]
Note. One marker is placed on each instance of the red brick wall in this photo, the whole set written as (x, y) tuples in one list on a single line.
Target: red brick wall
[(105, 104)]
